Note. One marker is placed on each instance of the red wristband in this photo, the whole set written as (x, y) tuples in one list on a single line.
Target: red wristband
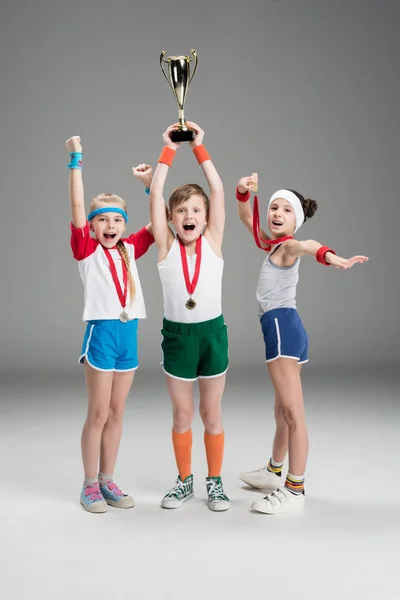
[(242, 197), (167, 156), (201, 154), (320, 256)]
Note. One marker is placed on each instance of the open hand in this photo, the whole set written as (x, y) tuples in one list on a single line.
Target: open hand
[(144, 173), (74, 144), (344, 263)]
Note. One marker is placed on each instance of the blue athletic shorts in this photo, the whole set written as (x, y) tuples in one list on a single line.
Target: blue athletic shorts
[(284, 335), (110, 345)]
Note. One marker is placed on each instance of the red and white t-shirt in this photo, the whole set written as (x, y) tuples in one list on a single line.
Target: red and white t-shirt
[(101, 298)]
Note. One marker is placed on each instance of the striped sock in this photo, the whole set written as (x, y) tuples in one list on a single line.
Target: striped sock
[(295, 484), (275, 467)]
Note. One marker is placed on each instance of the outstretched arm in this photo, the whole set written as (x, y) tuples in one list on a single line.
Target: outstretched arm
[(158, 213), (76, 194), (216, 217), (323, 254)]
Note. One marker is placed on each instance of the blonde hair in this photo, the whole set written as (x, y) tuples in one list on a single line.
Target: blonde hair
[(184, 192), (114, 200)]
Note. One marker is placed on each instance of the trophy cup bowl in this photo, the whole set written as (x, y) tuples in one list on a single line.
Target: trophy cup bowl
[(179, 79)]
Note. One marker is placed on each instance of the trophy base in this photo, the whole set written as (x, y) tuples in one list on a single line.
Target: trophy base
[(182, 135)]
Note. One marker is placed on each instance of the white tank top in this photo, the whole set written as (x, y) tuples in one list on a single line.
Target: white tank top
[(207, 294)]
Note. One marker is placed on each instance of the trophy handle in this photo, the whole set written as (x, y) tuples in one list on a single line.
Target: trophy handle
[(162, 69), (194, 57)]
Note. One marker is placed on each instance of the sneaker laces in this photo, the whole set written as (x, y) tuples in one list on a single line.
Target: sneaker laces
[(178, 491), (93, 492), (215, 490)]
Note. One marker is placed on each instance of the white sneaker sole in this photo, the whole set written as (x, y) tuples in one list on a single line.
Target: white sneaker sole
[(174, 503), (219, 506), (123, 503), (95, 508)]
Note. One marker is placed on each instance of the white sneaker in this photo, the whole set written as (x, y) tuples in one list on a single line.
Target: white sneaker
[(278, 502), (261, 479)]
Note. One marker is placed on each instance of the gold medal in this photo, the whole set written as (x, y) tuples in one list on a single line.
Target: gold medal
[(190, 304)]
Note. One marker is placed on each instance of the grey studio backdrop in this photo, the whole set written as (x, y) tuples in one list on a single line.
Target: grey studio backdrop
[(305, 92)]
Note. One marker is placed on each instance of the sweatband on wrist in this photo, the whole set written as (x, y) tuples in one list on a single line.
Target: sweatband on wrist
[(167, 156), (201, 154), (104, 209), (75, 160), (147, 191), (320, 256), (242, 197)]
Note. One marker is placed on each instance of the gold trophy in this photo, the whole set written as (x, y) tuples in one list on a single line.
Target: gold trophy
[(179, 79)]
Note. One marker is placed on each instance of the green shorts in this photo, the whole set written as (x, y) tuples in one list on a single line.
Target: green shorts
[(193, 350)]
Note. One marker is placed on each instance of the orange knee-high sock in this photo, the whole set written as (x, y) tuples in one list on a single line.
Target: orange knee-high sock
[(182, 443), (215, 452)]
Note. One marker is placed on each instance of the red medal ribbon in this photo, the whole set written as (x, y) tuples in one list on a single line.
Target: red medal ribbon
[(121, 295), (256, 231), (191, 286)]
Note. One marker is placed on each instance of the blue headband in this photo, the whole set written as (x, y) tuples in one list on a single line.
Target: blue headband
[(105, 209)]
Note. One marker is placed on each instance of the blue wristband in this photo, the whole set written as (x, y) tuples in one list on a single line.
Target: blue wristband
[(147, 191), (76, 160)]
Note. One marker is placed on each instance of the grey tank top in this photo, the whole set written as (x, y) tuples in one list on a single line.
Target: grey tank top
[(276, 286)]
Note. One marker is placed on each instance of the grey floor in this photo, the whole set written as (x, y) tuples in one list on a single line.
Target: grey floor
[(345, 544)]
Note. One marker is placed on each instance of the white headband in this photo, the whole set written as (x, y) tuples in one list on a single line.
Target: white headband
[(293, 201)]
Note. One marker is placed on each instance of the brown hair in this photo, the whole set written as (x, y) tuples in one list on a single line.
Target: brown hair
[(309, 206), (184, 192), (114, 200)]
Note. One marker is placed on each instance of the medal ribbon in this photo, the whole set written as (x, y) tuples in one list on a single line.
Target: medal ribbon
[(256, 231), (121, 294), (191, 285)]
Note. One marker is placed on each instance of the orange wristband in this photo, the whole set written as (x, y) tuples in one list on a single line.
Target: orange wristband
[(201, 154), (167, 156)]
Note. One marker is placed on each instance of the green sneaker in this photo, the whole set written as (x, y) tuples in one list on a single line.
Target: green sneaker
[(217, 499), (180, 493)]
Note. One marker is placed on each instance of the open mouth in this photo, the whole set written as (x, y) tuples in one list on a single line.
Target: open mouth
[(277, 223), (109, 236), (189, 227)]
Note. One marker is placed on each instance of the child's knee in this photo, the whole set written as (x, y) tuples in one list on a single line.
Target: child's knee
[(183, 418)]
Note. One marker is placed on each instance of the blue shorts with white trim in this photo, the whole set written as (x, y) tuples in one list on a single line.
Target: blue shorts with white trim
[(284, 335), (110, 345)]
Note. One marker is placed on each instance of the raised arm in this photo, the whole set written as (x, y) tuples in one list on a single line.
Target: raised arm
[(76, 182), (323, 254), (144, 173), (244, 187), (162, 232), (216, 217)]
